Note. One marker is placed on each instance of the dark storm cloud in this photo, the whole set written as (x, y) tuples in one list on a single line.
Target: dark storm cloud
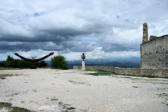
[(66, 38), (78, 26), (49, 39)]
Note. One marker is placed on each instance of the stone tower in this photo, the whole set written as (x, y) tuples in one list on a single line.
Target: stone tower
[(145, 33), (154, 51)]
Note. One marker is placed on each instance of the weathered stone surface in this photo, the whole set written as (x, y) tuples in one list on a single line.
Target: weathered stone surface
[(154, 53), (145, 32), (162, 73), (153, 37)]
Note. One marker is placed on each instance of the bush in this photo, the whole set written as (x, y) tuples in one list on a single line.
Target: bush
[(2, 64), (42, 64), (10, 62), (59, 62), (23, 64)]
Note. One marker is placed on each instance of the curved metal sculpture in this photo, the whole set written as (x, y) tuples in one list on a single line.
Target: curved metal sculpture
[(34, 60)]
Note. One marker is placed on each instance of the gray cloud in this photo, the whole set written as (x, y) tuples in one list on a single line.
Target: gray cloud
[(73, 26)]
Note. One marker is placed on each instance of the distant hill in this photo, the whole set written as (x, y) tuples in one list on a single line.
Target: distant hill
[(131, 62)]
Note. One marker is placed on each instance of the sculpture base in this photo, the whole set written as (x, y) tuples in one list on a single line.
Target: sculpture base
[(83, 65)]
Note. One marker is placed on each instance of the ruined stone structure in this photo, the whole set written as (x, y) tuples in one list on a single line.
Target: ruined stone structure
[(154, 51), (154, 58), (162, 73), (145, 32)]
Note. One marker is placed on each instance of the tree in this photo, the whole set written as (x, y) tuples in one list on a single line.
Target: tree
[(59, 62), (2, 64), (10, 62)]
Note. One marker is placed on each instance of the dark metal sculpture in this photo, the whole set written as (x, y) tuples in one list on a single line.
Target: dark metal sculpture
[(34, 60), (83, 56)]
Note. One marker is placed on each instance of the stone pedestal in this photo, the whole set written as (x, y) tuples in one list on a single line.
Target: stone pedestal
[(83, 65)]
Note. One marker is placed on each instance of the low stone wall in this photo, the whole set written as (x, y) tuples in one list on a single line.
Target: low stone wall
[(162, 73)]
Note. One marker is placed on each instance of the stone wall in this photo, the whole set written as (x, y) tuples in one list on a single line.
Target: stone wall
[(154, 53), (162, 73)]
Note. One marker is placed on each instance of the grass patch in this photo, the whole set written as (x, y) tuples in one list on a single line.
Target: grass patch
[(4, 104), (22, 102), (101, 73), (148, 76), (10, 108), (3, 76), (7, 68), (106, 73), (18, 109), (75, 82), (135, 86), (163, 95), (54, 99), (66, 107)]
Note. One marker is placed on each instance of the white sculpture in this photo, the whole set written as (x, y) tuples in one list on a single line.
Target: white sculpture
[(83, 61)]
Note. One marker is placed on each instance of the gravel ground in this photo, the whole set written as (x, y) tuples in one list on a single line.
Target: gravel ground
[(48, 90)]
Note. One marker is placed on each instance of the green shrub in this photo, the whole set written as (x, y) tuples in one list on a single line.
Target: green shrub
[(2, 64), (101, 73), (23, 64), (10, 62), (42, 64), (59, 62)]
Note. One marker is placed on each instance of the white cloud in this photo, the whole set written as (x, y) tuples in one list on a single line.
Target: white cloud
[(73, 26), (98, 53)]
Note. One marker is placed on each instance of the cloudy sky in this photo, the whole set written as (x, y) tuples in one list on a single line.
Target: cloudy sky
[(103, 29)]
